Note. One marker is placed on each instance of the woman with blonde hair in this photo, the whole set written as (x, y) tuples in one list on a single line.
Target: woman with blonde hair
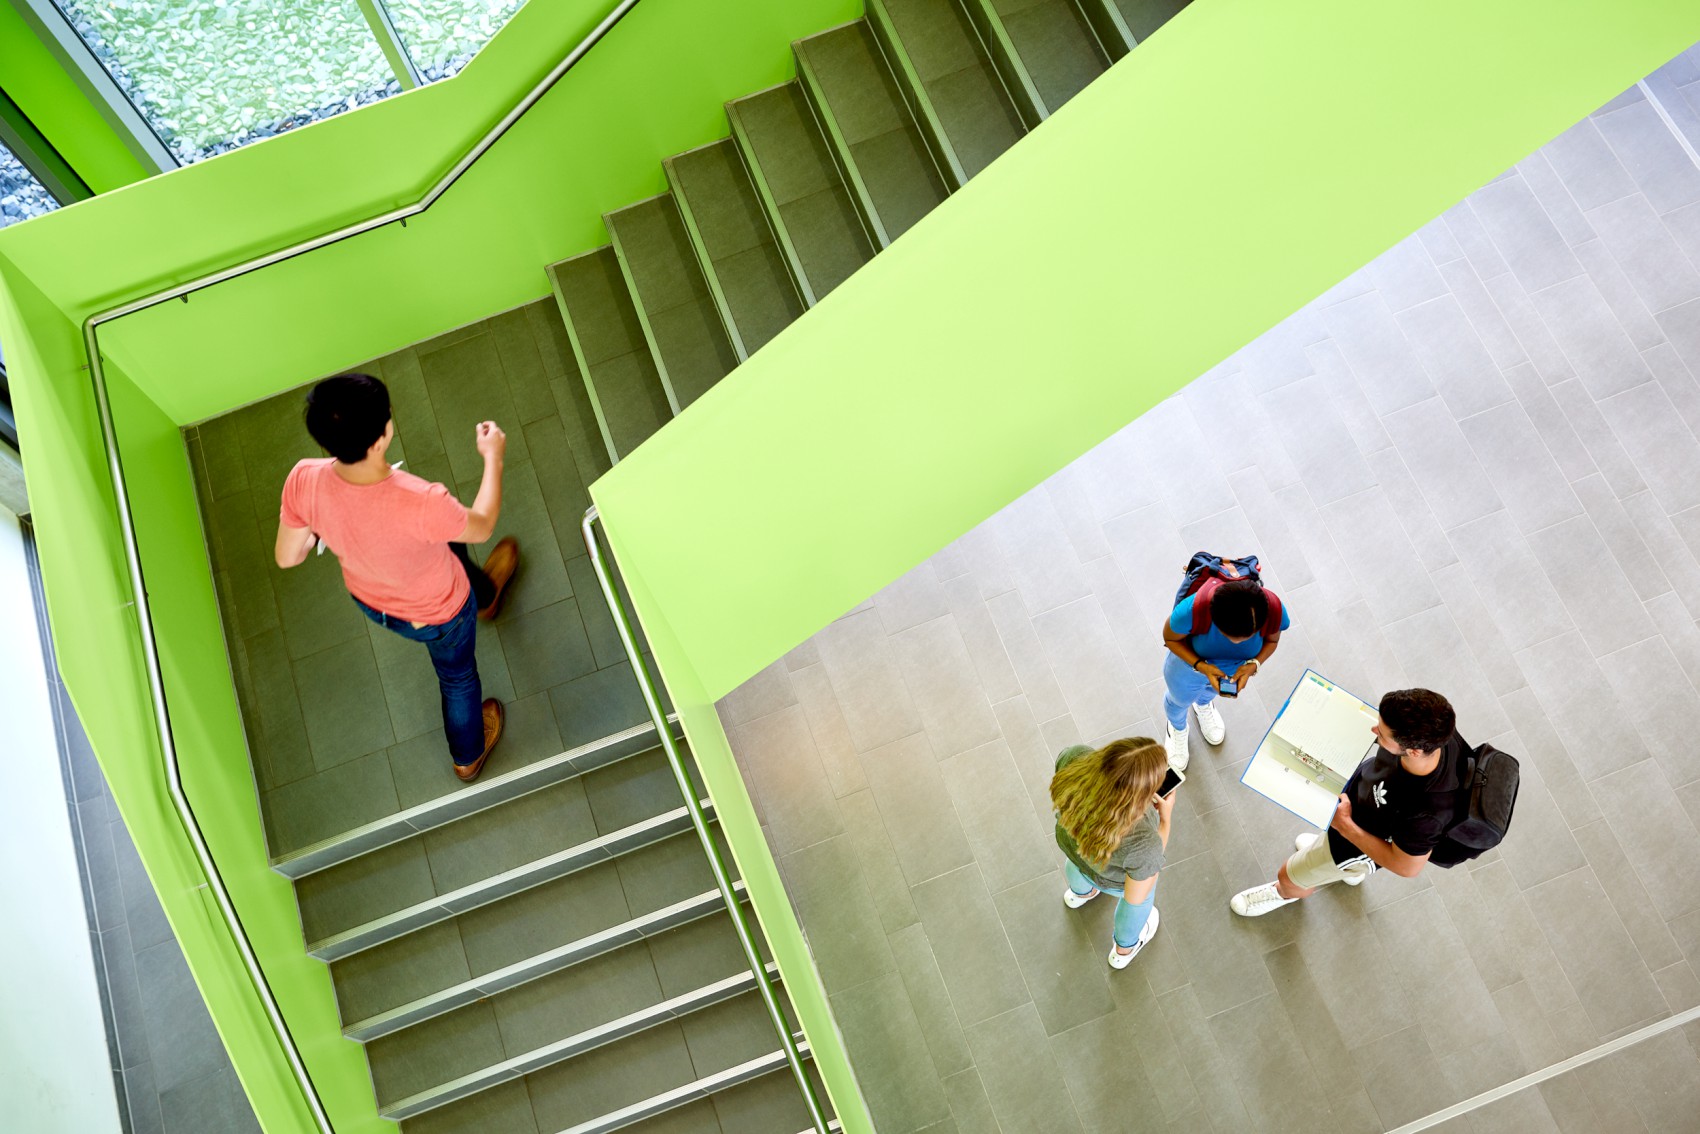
[(1113, 828)]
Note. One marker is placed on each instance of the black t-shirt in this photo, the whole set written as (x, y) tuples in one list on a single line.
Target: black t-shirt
[(1390, 803)]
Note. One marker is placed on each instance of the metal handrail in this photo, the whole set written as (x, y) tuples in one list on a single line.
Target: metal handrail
[(687, 790), (132, 555)]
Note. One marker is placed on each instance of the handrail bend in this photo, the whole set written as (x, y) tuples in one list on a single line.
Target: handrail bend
[(132, 555), (687, 790)]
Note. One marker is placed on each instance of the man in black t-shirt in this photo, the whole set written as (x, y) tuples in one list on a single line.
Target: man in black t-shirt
[(1396, 807)]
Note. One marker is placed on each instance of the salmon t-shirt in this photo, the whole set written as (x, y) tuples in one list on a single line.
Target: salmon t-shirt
[(392, 537)]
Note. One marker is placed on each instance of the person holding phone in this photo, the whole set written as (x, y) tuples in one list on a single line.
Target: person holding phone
[(1214, 651), (1114, 806)]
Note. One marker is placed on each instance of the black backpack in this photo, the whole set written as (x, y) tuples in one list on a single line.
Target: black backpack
[(1486, 799)]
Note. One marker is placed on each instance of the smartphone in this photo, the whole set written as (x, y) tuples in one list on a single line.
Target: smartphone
[(1170, 782), (1227, 688)]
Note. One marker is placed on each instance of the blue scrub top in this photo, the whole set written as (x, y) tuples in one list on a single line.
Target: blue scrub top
[(1212, 645)]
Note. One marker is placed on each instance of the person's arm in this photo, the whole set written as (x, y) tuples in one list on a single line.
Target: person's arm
[(1135, 892), (1381, 852), (1251, 667), (487, 505), (293, 545), (1181, 646)]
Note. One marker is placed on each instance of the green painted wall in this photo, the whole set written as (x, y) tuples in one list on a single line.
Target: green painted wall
[(60, 109), (653, 87), (1230, 170)]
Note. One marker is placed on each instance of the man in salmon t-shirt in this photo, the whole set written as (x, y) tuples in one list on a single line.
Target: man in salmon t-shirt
[(402, 544)]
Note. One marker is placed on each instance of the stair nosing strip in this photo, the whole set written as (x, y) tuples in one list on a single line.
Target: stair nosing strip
[(405, 824), (642, 313), (573, 1046), (746, 150), (596, 410), (934, 137), (814, 95), (689, 1092), (441, 907), (554, 960)]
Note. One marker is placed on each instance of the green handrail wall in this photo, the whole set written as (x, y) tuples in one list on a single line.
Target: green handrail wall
[(1227, 172)]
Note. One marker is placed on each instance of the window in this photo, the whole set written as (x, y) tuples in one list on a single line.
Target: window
[(21, 195), (211, 75), (441, 35)]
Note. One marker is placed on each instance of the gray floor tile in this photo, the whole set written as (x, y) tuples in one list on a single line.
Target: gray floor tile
[(1652, 155), (1647, 928), (143, 916), (466, 386), (1584, 710), (860, 663), (940, 676), (1020, 1074), (796, 800), (1519, 312), (1588, 331), (974, 955), (1597, 438), (1090, 669), (181, 1039), (1370, 536), (506, 1107), (1520, 467), (909, 787), (363, 889), (1452, 480), (1405, 275), (340, 695), (1524, 233), (609, 1077), (1661, 275), (1645, 815), (1485, 318), (1587, 166), (1276, 1082), (332, 802), (1595, 593), (924, 987), (1466, 228), (878, 1019), (1453, 353), (1595, 951), (887, 885), (1062, 963), (1658, 441), (1402, 1076), (828, 730), (546, 647), (419, 1058), (993, 805), (1554, 197), (846, 937), (401, 971), (212, 1104), (1322, 448)]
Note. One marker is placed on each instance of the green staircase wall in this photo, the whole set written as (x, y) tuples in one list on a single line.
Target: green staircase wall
[(1066, 289)]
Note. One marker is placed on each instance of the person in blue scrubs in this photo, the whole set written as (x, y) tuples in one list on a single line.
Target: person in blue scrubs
[(1232, 647)]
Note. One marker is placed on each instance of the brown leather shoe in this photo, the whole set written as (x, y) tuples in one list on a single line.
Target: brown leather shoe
[(504, 557), (494, 717)]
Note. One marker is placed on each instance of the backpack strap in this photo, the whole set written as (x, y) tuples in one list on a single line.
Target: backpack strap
[(1201, 606), (1272, 617)]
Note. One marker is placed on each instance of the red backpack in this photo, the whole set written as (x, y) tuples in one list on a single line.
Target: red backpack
[(1205, 572)]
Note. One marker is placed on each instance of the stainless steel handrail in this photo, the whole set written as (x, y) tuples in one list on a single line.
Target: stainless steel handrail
[(687, 790), (132, 555)]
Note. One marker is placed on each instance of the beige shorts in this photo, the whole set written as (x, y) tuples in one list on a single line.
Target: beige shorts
[(1315, 866)]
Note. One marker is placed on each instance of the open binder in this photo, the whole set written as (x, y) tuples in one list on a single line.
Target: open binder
[(1315, 743)]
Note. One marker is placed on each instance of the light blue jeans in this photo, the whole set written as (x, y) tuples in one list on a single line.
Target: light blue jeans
[(1130, 918), (1183, 686)]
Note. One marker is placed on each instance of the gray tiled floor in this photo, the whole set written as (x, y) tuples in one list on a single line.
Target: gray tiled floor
[(343, 719), (172, 1071), (1472, 465)]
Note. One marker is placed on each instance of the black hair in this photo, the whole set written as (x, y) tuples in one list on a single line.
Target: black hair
[(1419, 718), (1238, 608), (347, 414)]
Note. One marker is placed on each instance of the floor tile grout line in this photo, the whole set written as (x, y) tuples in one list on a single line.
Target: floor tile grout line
[(1534, 1078)]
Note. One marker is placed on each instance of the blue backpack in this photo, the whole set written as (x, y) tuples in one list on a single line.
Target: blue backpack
[(1204, 572)]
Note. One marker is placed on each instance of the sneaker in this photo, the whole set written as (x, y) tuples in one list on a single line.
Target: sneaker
[(1175, 742), (1210, 722), (1258, 900), (504, 558), (1307, 840), (1121, 960), (1074, 901), (494, 717)]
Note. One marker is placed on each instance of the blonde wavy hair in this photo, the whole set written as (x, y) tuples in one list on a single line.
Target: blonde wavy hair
[(1099, 796)]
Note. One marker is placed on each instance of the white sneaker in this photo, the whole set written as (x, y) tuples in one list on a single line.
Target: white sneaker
[(1305, 841), (1210, 722), (1074, 901), (1258, 900), (1121, 960), (1175, 741)]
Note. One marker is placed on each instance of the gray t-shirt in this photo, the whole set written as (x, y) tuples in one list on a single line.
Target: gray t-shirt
[(1139, 856)]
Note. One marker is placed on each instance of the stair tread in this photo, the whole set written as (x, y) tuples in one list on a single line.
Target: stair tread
[(736, 241), (619, 372), (786, 145), (884, 145), (569, 813), (1055, 45), (473, 949), (1145, 16), (960, 82)]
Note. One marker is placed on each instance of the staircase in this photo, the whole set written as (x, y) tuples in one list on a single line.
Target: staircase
[(887, 116), (544, 951)]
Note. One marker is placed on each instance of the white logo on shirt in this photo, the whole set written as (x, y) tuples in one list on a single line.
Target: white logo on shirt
[(1379, 794)]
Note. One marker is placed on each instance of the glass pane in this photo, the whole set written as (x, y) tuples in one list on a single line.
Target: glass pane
[(211, 75), (442, 35), (21, 195)]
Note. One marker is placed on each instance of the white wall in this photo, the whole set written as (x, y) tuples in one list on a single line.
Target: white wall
[(55, 1068)]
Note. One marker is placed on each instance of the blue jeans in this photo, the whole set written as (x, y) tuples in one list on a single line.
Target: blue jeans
[(1183, 686), (1130, 918), (451, 645)]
